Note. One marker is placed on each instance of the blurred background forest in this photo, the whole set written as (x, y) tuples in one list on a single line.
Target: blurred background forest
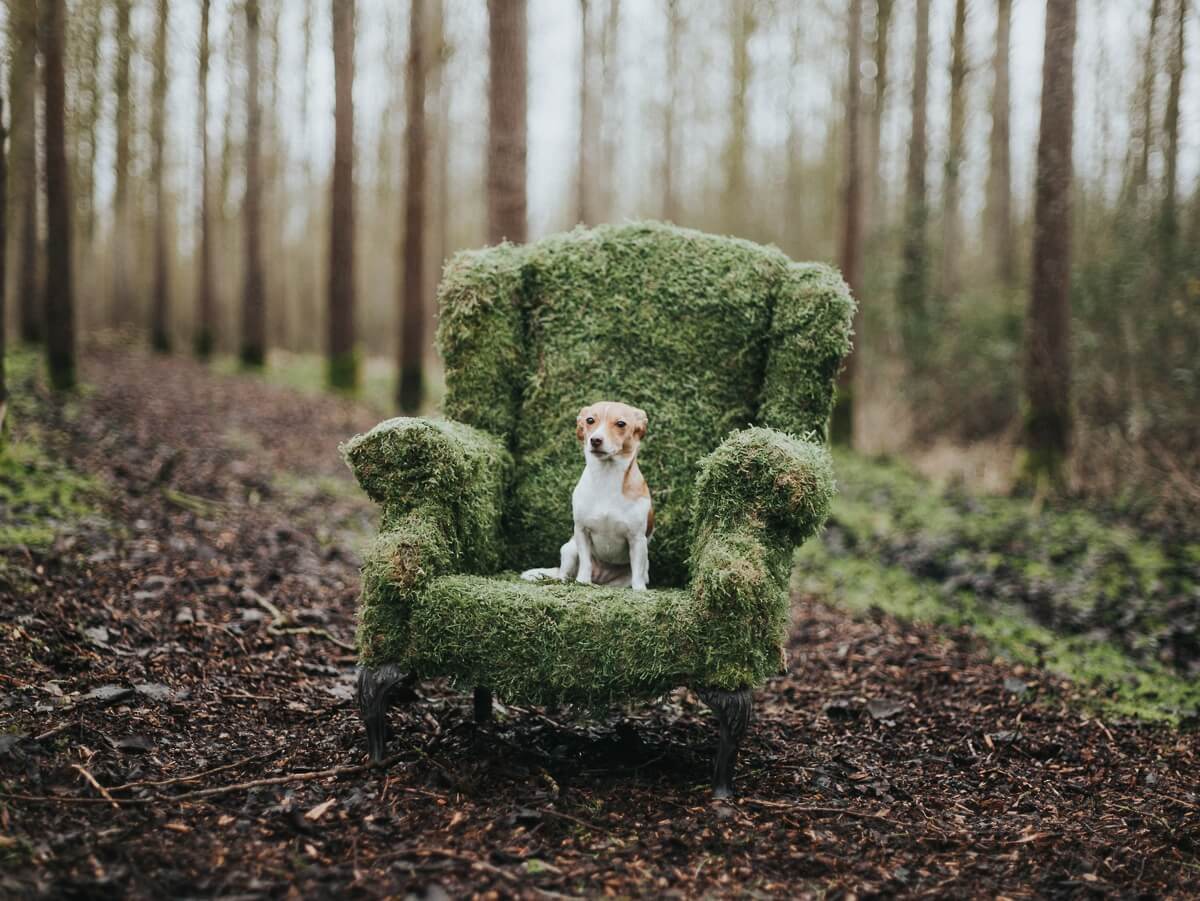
[(288, 176)]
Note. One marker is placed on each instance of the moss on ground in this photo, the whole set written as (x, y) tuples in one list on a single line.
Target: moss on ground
[(1112, 609)]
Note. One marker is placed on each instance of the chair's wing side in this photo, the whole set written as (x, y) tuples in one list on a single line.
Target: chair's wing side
[(481, 336), (810, 335), (757, 495)]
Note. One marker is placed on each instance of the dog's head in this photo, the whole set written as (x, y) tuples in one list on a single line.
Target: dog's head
[(610, 429)]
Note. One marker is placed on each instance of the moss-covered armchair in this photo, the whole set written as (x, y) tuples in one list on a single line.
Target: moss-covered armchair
[(730, 347)]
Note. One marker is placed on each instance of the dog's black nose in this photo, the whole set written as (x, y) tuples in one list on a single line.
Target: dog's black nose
[(596, 442)]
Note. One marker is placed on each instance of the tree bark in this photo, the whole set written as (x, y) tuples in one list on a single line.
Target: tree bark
[(584, 211), (1141, 173), (850, 252), (411, 387), (610, 107), (86, 164), (23, 83), (206, 310), (160, 323), (1047, 434), (952, 243), (670, 198), (254, 303), (123, 301), (875, 199), (742, 30), (507, 128), (914, 276), (60, 301), (3, 264), (1170, 212), (343, 360), (998, 216)]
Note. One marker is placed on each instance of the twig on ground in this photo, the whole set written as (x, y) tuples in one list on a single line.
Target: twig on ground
[(584, 823), (829, 811), (194, 776), (283, 780), (94, 784), (280, 624)]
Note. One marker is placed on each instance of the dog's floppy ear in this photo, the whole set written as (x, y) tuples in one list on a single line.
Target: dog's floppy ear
[(579, 423), (640, 422)]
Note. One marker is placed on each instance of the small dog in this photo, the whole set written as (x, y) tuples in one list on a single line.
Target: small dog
[(614, 516)]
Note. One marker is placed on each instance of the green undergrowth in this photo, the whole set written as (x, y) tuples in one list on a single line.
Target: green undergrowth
[(39, 495), (1110, 608), (309, 373)]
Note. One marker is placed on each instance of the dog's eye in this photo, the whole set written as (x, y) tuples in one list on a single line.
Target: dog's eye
[(620, 423), (591, 421)]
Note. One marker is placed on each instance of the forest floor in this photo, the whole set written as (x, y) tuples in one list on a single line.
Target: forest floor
[(178, 563)]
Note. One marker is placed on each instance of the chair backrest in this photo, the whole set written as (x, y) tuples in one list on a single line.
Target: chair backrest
[(707, 334)]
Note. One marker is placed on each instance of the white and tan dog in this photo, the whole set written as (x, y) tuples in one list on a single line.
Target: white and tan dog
[(614, 515)]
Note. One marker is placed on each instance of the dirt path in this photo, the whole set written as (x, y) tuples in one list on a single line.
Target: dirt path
[(144, 660)]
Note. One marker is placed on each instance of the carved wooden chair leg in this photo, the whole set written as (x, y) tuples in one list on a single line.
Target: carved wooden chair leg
[(483, 704), (732, 709), (377, 688)]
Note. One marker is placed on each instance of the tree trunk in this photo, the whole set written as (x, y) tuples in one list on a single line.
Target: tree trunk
[(913, 285), (742, 29), (60, 302), (998, 216), (850, 252), (1170, 212), (411, 388), (875, 199), (3, 267), (23, 34), (86, 164), (585, 189), (507, 138), (952, 243), (206, 311), (670, 199), (123, 301), (437, 90), (1141, 173), (1047, 349), (343, 361), (160, 323), (254, 303), (610, 107)]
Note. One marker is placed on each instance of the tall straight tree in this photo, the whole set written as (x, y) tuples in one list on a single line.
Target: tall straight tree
[(343, 361), (850, 251), (914, 275), (955, 153), (1141, 173), (254, 302), (160, 332), (60, 300), (874, 201), (3, 262), (23, 37), (670, 198), (1047, 433), (585, 177), (206, 308), (1170, 211), (411, 387), (998, 213), (507, 135), (92, 105), (122, 250), (744, 21)]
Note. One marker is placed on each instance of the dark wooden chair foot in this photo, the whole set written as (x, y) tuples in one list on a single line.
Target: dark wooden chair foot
[(732, 709), (377, 689), (483, 704)]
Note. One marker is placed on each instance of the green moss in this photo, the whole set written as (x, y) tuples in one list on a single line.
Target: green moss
[(707, 334), (342, 371)]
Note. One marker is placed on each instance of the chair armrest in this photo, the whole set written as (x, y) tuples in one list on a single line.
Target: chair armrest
[(440, 483)]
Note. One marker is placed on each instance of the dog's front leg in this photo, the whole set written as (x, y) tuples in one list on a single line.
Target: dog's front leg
[(639, 561), (583, 547), (568, 561)]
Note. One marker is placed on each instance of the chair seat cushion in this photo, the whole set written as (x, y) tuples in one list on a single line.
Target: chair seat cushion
[(542, 643)]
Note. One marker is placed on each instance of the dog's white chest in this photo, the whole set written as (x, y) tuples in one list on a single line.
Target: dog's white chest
[(608, 517)]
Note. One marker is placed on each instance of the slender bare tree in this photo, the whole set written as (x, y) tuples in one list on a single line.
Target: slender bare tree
[(254, 302), (122, 251), (610, 107), (1170, 211), (3, 262), (92, 106), (952, 243), (343, 360), (998, 214), (1141, 174), (507, 135), (160, 321), (206, 307), (1047, 434), (670, 198), (585, 177), (875, 199), (411, 387), (744, 21), (913, 285), (60, 300), (23, 79), (850, 251)]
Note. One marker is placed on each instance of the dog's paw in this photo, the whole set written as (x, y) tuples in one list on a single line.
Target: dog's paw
[(540, 575)]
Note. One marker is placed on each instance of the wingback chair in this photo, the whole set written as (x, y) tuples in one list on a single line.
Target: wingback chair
[(731, 348)]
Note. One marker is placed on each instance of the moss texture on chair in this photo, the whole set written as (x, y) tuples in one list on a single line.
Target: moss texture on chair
[(730, 347)]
